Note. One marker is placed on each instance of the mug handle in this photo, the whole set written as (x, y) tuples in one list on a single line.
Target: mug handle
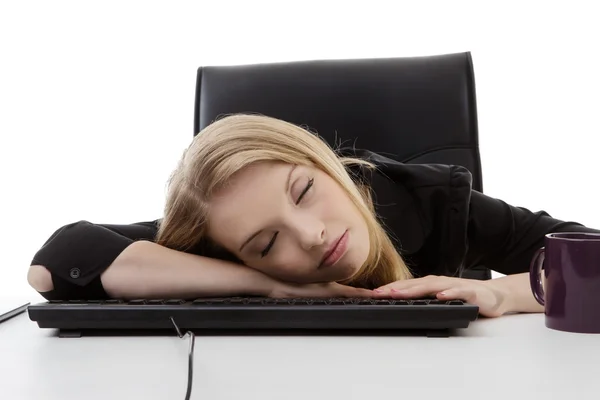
[(535, 275)]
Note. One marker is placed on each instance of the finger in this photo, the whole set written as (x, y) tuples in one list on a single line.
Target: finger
[(363, 293), (467, 295), (420, 290), (399, 284), (350, 291), (487, 307), (408, 283), (417, 291)]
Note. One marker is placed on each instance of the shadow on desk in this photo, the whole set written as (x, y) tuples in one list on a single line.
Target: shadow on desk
[(443, 333)]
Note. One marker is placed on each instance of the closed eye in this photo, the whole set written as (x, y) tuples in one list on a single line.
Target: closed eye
[(266, 250), (306, 189), (269, 246)]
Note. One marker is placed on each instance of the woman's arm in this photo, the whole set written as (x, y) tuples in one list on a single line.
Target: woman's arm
[(494, 297), (518, 293), (93, 261), (504, 238), (84, 260), (69, 264), (147, 270)]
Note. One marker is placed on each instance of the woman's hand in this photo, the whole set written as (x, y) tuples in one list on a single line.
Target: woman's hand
[(326, 289), (491, 300)]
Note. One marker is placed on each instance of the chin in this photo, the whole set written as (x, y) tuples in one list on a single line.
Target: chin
[(347, 271), (357, 254)]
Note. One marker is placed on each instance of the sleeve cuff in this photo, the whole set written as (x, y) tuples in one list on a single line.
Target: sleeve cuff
[(72, 253)]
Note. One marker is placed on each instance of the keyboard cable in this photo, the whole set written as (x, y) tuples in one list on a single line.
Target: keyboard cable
[(188, 393)]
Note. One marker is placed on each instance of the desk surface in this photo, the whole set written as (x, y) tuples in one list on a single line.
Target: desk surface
[(492, 359)]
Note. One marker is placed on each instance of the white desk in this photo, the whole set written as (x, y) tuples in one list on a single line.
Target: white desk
[(512, 357)]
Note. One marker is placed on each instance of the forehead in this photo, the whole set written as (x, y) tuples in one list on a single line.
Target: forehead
[(252, 196)]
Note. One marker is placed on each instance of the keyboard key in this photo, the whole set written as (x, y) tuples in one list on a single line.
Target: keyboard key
[(435, 301), (137, 302), (156, 301), (302, 302), (175, 301), (215, 301), (237, 300)]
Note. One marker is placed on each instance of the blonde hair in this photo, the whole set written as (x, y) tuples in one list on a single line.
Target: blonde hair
[(236, 141)]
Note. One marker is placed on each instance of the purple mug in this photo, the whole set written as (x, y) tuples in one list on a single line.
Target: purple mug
[(571, 291)]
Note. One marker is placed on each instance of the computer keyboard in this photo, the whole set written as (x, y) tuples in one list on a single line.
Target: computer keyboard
[(254, 313)]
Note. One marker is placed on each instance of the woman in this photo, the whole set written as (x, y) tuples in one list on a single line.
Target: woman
[(258, 206)]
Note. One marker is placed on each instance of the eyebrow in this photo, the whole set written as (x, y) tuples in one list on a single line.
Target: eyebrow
[(287, 188)]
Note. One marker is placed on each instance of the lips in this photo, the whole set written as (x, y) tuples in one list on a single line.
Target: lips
[(335, 251)]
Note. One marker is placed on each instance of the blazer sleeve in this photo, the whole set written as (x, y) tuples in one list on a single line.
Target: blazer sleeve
[(504, 238), (78, 253)]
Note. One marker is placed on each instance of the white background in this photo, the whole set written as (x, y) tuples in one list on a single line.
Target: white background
[(96, 98)]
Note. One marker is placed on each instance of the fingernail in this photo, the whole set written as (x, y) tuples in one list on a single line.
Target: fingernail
[(442, 293), (378, 290), (397, 290)]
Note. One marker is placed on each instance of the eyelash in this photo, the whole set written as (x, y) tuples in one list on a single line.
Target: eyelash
[(266, 250)]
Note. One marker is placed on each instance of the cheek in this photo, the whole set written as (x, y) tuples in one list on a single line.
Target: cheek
[(337, 204), (288, 262)]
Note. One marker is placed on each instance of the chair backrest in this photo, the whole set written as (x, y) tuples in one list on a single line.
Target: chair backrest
[(412, 109)]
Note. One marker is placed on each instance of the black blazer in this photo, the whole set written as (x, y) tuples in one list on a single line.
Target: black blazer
[(442, 226)]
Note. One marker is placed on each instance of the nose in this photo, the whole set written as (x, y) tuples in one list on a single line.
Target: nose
[(310, 232)]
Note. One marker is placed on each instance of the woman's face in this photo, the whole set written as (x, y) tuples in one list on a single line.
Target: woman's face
[(294, 223)]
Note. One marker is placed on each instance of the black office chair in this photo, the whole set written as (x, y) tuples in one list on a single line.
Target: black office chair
[(413, 109)]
